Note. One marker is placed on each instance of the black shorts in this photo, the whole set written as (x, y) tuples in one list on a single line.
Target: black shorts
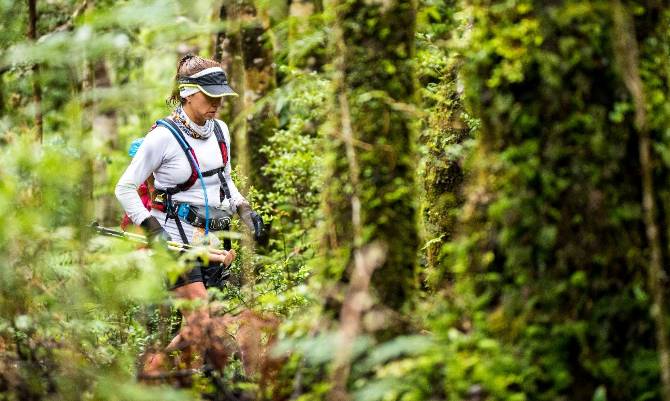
[(196, 274)]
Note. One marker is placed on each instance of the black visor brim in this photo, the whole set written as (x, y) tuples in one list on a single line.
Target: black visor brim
[(217, 90), (213, 85)]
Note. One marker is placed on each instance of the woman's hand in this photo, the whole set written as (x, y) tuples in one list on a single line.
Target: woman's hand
[(254, 222), (154, 230), (221, 256)]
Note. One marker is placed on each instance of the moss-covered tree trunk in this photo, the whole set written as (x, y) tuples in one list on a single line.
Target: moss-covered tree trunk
[(370, 193), (444, 134), (444, 175), (248, 60), (260, 80), (232, 58), (555, 241), (220, 37)]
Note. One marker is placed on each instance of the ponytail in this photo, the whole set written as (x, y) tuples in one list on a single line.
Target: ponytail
[(175, 99)]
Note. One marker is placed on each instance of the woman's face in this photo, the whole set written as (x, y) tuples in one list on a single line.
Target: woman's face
[(202, 107)]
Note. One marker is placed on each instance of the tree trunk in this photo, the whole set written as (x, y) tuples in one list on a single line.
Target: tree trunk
[(219, 42), (626, 52), (443, 173), (105, 134), (3, 106), (260, 80), (248, 63), (369, 201), (248, 60), (233, 60), (37, 89), (371, 185), (86, 159)]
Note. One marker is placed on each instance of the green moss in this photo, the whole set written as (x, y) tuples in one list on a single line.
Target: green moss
[(555, 195)]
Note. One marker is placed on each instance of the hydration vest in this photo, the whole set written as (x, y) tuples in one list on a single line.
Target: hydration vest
[(162, 200)]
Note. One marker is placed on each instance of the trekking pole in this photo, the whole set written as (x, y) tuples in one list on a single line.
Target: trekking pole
[(172, 245), (142, 239)]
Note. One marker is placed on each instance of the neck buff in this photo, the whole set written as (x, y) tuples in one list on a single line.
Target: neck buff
[(192, 129)]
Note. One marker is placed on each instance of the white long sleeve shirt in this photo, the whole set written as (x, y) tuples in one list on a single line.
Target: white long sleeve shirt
[(161, 155)]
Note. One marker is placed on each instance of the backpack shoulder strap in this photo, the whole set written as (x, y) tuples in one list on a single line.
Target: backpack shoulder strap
[(188, 150), (223, 146)]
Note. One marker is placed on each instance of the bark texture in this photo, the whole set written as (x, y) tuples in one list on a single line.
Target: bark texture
[(247, 58), (370, 185)]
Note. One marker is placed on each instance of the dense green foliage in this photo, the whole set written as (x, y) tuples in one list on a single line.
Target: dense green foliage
[(491, 150), (554, 247)]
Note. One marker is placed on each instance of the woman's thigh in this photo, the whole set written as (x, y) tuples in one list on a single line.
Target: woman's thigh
[(191, 291)]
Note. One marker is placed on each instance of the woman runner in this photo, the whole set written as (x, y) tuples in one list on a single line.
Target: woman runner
[(188, 154)]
